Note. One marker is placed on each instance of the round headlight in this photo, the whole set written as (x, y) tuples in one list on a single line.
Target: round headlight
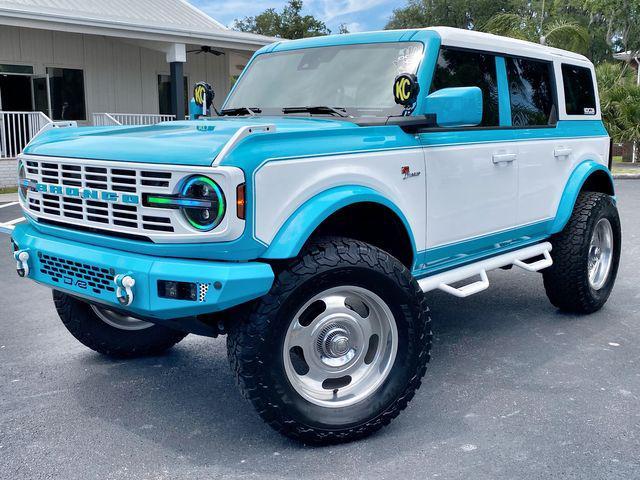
[(22, 178), (209, 203)]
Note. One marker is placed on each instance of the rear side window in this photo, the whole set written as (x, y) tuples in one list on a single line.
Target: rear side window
[(579, 92), (531, 91), (461, 68)]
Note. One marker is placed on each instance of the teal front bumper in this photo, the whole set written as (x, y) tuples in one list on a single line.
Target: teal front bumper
[(89, 272)]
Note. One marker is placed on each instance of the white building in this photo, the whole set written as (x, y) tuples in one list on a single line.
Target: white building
[(92, 60)]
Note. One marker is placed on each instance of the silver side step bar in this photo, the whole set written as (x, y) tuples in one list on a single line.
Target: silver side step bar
[(443, 281)]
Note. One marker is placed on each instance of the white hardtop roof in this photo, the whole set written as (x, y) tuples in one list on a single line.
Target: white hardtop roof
[(457, 37), (159, 20)]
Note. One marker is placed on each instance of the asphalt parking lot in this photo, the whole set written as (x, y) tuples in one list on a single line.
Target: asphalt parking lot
[(514, 390)]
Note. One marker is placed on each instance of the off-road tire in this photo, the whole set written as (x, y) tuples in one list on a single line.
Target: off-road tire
[(255, 344), (567, 281), (83, 323)]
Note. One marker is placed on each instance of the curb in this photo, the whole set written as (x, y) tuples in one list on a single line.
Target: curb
[(626, 176), (8, 197)]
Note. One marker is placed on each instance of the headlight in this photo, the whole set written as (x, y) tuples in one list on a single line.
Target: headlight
[(209, 203), (201, 201), (23, 181)]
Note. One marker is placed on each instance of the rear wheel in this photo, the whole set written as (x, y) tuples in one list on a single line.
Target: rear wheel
[(338, 347), (111, 333), (585, 255)]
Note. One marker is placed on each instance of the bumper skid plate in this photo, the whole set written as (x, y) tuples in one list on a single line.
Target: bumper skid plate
[(130, 281)]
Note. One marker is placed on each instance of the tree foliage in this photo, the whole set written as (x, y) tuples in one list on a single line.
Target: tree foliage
[(559, 32), (619, 101), (468, 14), (290, 23), (617, 20), (596, 28)]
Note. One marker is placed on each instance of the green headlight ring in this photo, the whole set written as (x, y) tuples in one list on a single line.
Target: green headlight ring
[(218, 193)]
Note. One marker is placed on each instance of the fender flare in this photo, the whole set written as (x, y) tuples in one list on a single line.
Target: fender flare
[(303, 222), (572, 189)]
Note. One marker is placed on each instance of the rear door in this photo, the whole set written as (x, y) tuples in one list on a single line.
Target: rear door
[(534, 113)]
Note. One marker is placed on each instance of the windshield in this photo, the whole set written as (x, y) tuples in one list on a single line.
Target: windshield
[(357, 78)]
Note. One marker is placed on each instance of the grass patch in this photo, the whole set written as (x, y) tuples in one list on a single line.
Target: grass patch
[(8, 190), (617, 159)]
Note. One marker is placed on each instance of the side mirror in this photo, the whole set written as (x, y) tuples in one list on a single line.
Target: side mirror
[(456, 107)]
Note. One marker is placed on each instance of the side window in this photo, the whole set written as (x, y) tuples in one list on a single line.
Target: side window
[(460, 68), (579, 92), (531, 91)]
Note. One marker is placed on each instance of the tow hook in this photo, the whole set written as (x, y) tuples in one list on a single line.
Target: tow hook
[(22, 262), (124, 289)]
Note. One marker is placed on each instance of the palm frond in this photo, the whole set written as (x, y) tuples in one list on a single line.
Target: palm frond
[(509, 25), (567, 34)]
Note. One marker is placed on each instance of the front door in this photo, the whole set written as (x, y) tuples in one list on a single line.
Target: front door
[(15, 96), (15, 93), (472, 176)]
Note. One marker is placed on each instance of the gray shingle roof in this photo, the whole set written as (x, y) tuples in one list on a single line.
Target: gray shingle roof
[(175, 15)]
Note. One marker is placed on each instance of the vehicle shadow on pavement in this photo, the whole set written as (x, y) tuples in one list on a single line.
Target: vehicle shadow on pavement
[(187, 401)]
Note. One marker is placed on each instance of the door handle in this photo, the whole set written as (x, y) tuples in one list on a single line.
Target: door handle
[(504, 158), (562, 152)]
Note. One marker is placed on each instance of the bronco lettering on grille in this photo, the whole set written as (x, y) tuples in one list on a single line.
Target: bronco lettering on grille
[(76, 192)]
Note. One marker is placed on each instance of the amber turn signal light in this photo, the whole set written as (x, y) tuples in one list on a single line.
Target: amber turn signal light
[(241, 203)]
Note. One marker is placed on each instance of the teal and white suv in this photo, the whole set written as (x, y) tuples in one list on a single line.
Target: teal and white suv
[(344, 177)]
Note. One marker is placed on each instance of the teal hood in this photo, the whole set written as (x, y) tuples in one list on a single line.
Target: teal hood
[(194, 143)]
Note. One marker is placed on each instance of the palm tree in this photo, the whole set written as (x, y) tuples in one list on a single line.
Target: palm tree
[(620, 102), (531, 26)]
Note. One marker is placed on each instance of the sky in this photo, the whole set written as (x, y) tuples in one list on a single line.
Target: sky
[(358, 15)]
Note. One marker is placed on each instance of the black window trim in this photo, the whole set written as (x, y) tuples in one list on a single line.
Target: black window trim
[(593, 85), (554, 91), (433, 73)]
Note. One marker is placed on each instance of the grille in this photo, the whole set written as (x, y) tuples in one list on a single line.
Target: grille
[(93, 212), (63, 271)]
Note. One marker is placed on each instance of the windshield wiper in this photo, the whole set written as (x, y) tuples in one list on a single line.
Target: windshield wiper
[(339, 111), (241, 110)]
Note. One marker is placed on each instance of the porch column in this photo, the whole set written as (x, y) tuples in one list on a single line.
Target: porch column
[(176, 57)]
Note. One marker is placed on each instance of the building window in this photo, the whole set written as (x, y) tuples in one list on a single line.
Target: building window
[(461, 68), (164, 94), (16, 69), (579, 93), (531, 90), (67, 94)]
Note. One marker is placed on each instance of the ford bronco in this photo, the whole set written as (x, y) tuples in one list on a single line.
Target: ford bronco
[(343, 178)]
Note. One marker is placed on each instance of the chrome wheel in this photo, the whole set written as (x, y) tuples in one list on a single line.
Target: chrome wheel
[(340, 346), (600, 254), (119, 321)]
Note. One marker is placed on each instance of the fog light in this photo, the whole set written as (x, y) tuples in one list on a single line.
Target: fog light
[(177, 290)]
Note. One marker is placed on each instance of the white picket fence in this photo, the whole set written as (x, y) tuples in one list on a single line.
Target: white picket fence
[(17, 129), (114, 119)]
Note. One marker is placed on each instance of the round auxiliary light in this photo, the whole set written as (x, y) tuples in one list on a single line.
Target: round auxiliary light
[(22, 178), (209, 203)]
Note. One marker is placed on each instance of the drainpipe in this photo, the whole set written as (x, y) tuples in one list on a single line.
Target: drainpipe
[(634, 158)]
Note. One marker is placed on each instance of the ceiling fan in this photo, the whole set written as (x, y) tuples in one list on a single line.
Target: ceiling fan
[(206, 49)]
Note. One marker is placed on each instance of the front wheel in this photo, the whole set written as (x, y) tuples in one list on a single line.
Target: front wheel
[(338, 347), (111, 333), (585, 255)]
